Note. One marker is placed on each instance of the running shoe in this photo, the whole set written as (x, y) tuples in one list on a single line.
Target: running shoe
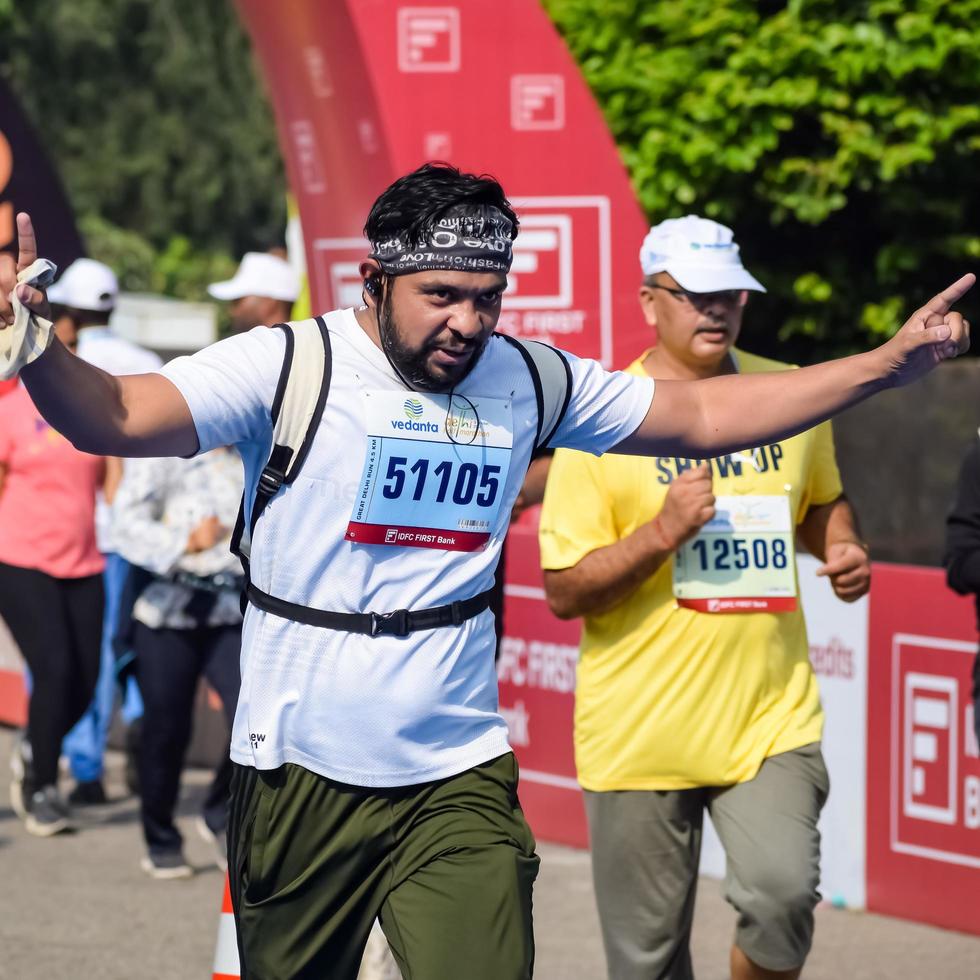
[(48, 813), (218, 841), (166, 865), (88, 792), (22, 784)]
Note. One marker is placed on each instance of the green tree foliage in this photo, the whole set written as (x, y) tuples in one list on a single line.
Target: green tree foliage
[(839, 138), (152, 113)]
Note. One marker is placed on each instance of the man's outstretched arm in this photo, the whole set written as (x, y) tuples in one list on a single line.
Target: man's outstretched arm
[(131, 415), (702, 419), (135, 415)]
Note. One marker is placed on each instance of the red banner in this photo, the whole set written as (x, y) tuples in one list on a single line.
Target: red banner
[(366, 91), (536, 671), (923, 839)]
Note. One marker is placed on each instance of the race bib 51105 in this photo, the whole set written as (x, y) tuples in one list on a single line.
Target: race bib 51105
[(435, 470)]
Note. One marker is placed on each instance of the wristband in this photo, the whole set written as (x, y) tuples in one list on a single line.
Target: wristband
[(29, 336)]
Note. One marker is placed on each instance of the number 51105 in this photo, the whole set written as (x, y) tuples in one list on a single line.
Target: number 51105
[(467, 481)]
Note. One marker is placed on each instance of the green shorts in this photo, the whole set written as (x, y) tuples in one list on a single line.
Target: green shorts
[(447, 866)]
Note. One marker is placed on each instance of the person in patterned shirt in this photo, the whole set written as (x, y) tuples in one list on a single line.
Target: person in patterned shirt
[(172, 520)]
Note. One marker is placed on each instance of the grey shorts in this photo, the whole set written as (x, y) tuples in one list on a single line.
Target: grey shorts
[(645, 851)]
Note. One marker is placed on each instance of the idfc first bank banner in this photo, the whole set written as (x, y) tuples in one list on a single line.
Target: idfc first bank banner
[(366, 90)]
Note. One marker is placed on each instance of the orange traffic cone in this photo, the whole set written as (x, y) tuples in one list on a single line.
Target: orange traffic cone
[(378, 963), (226, 965)]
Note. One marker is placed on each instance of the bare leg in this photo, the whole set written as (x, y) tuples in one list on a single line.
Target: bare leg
[(744, 969)]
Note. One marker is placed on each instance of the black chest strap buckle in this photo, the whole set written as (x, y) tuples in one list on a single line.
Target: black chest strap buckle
[(393, 623)]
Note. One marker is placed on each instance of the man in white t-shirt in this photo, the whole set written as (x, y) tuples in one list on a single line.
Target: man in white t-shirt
[(374, 774), (86, 295)]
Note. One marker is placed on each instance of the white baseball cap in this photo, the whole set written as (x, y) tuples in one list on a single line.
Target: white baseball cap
[(699, 253), (86, 285), (260, 274)]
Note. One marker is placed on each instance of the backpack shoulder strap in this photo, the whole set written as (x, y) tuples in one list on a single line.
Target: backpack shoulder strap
[(304, 382), (296, 415), (552, 380)]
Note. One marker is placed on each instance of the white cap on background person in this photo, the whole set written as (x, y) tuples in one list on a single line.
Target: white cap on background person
[(699, 253), (259, 274), (86, 285)]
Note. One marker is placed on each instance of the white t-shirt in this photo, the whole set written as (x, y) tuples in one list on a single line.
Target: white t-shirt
[(371, 711)]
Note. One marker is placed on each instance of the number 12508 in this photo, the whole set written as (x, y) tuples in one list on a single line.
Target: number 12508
[(726, 554)]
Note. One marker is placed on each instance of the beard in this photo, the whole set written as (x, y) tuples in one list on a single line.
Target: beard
[(412, 365)]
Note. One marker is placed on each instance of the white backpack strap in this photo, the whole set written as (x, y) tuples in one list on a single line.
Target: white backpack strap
[(552, 380), (304, 382), (299, 402)]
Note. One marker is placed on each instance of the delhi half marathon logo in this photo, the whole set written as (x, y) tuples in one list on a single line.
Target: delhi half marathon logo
[(413, 409), (463, 422)]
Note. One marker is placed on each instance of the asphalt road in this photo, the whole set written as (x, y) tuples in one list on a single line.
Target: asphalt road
[(78, 907)]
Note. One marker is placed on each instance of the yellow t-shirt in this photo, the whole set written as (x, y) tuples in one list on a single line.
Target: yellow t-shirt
[(667, 697)]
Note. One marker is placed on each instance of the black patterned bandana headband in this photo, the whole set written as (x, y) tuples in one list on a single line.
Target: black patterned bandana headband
[(464, 239)]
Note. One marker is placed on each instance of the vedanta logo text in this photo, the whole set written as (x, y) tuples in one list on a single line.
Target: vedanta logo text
[(414, 426)]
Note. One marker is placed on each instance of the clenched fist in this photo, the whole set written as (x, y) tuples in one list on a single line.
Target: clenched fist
[(849, 570), (689, 505), (206, 535)]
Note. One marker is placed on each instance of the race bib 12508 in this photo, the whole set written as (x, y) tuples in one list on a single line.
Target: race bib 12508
[(742, 560), (435, 470)]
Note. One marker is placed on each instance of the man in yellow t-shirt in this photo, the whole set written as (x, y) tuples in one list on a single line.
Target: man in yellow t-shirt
[(694, 689)]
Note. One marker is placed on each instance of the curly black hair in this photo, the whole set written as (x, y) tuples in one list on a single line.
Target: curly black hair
[(410, 206)]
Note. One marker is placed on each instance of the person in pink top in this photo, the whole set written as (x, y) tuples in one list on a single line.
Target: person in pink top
[(50, 592)]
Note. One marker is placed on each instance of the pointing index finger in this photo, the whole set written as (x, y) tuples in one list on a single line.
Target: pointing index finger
[(27, 245), (941, 302)]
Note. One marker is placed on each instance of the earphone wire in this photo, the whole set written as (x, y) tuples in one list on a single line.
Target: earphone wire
[(378, 300)]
